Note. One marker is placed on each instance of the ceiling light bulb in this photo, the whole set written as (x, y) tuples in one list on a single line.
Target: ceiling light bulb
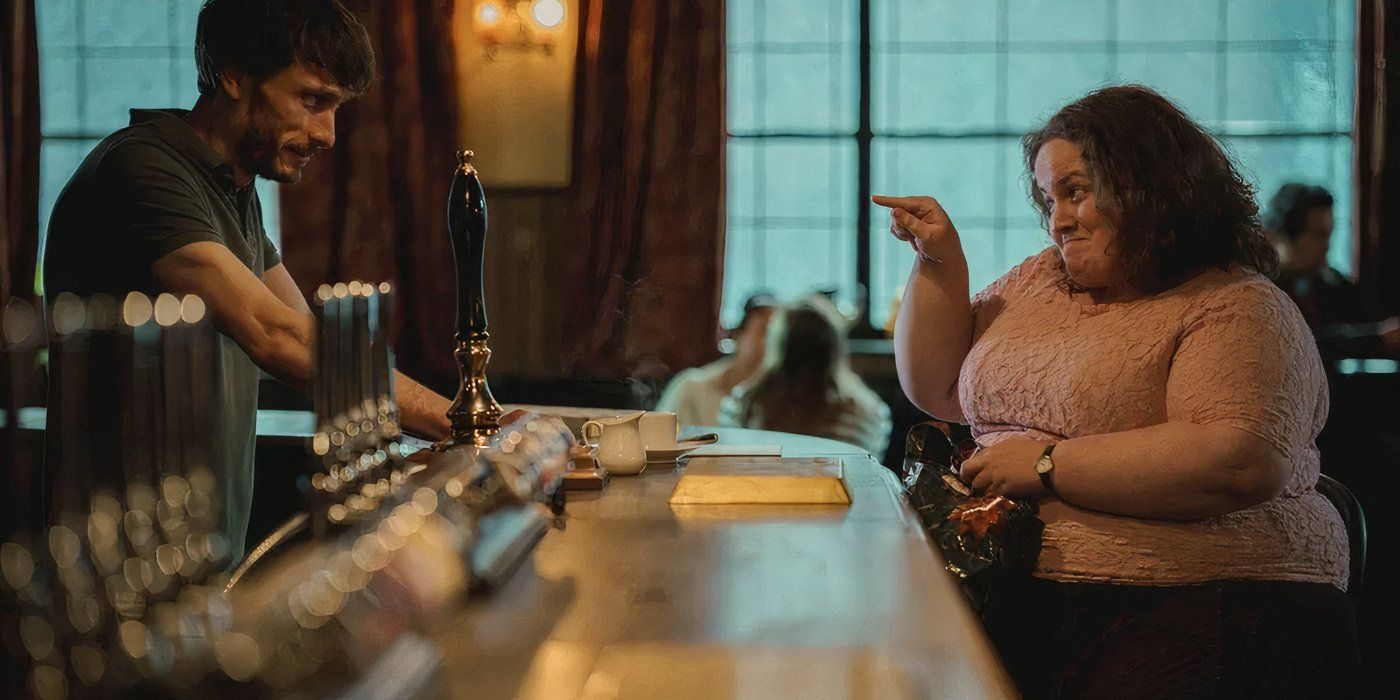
[(549, 13), (489, 13)]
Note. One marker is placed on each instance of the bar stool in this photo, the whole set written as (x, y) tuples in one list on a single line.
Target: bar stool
[(1354, 518)]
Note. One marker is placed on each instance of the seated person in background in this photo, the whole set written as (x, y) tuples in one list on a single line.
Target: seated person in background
[(695, 393), (1300, 218), (1186, 549), (806, 385)]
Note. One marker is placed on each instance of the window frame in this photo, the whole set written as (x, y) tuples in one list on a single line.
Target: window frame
[(865, 133)]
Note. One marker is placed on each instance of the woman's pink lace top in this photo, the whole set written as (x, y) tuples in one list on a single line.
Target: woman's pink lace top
[(1225, 348)]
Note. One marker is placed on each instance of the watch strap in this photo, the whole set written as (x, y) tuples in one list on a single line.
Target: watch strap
[(1046, 475)]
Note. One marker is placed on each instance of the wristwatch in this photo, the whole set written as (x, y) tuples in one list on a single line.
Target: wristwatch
[(1045, 468)]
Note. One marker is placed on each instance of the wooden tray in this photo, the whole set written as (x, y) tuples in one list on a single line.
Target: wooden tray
[(761, 481)]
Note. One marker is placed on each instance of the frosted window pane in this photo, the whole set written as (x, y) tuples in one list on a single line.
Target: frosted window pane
[(805, 21), (808, 92), (801, 261), (1280, 91), (1059, 20), (1188, 78), (805, 177), (933, 91), (1040, 83), (790, 228), (925, 21), (115, 85), (792, 67), (268, 195), (741, 180), (110, 23), (1344, 62), (1275, 20), (1174, 20), (1344, 21), (182, 28), (960, 172), (1342, 182), (741, 80), (56, 23), (742, 275), (58, 101), (936, 70), (740, 22)]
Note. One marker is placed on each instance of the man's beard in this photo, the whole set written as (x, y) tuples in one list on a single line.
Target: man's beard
[(259, 148)]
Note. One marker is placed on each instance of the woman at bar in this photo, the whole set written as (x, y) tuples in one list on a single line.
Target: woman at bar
[(1145, 382)]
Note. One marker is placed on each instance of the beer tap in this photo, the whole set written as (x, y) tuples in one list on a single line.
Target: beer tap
[(475, 415)]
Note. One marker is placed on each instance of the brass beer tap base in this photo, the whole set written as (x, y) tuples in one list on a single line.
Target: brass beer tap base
[(475, 415)]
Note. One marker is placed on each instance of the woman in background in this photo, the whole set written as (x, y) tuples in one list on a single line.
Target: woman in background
[(806, 385), (695, 393)]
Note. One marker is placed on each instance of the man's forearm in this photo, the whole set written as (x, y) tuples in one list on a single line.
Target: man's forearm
[(422, 411), (282, 348)]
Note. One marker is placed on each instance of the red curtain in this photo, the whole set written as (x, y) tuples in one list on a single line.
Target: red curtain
[(374, 206), (19, 149), (648, 253)]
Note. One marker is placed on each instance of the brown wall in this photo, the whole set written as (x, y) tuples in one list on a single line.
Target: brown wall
[(526, 269)]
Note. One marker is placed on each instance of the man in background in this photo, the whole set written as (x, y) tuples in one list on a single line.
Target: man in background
[(1300, 219)]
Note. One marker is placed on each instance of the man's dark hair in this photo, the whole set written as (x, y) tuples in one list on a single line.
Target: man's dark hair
[(262, 37), (1287, 214), (1177, 203)]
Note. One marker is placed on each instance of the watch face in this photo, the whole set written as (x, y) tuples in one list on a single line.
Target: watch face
[(1043, 465)]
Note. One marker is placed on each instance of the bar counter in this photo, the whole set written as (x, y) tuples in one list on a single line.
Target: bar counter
[(633, 597)]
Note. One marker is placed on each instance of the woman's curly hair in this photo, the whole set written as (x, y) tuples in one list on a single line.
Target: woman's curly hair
[(1176, 202)]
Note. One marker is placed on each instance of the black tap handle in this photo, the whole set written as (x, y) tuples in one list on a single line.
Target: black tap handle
[(466, 224)]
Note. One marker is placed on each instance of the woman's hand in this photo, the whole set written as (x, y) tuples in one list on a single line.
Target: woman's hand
[(922, 222), (1007, 468)]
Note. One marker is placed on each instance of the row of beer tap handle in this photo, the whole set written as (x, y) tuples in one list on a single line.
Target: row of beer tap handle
[(130, 582), (113, 561), (352, 395)]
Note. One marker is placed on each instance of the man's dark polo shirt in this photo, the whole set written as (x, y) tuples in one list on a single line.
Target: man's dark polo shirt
[(142, 193)]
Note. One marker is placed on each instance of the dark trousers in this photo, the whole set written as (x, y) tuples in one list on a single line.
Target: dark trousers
[(1275, 639)]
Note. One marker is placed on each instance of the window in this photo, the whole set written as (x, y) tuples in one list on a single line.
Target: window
[(99, 58), (952, 86)]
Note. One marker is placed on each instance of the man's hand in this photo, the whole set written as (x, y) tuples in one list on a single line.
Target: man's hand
[(1007, 468)]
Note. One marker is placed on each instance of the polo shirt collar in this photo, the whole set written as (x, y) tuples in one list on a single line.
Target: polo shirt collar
[(171, 124)]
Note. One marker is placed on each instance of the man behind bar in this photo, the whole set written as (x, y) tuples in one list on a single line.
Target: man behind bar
[(167, 204)]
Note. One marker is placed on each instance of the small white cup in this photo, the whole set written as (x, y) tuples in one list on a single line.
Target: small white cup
[(659, 430)]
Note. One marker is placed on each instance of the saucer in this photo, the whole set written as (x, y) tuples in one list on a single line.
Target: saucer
[(671, 453)]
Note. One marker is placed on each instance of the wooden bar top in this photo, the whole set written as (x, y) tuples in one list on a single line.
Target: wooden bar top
[(633, 597)]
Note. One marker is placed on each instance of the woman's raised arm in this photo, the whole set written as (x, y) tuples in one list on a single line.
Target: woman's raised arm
[(933, 331)]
